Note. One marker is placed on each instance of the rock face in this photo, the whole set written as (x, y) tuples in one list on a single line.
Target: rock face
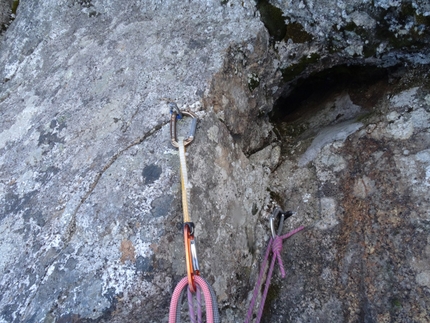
[(90, 216), (365, 254)]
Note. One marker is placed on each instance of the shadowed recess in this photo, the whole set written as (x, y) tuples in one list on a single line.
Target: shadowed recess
[(319, 86)]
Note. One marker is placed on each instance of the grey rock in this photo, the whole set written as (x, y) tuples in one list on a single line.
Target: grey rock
[(90, 222)]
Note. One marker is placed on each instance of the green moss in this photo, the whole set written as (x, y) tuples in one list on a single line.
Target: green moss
[(369, 50), (407, 10), (351, 26), (274, 20), (12, 14), (289, 133), (365, 117), (272, 17), (396, 303), (297, 34), (404, 41), (422, 20), (405, 15), (15, 4), (291, 72), (358, 30), (291, 129)]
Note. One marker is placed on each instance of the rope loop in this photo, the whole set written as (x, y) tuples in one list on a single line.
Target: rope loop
[(212, 314)]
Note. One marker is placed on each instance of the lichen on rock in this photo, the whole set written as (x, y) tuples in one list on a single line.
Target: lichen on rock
[(326, 114)]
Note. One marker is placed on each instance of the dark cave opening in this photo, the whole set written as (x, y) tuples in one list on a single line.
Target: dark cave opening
[(364, 84)]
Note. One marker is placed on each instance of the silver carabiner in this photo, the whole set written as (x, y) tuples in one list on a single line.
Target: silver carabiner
[(284, 215), (194, 256), (178, 114)]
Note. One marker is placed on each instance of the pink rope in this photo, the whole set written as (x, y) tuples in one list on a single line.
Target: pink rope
[(275, 245), (174, 303), (199, 305)]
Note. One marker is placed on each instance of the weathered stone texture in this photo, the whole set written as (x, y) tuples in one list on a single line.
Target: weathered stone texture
[(89, 181), (365, 201), (90, 217)]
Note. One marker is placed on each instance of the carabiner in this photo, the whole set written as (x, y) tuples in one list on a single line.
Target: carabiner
[(178, 114), (284, 215), (191, 256)]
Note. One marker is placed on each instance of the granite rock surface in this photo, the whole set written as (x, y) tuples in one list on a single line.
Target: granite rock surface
[(90, 216)]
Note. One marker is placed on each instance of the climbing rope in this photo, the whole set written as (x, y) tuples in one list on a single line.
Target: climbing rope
[(193, 284), (274, 246), (212, 315)]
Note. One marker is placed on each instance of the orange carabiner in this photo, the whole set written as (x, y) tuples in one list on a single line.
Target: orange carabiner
[(190, 256)]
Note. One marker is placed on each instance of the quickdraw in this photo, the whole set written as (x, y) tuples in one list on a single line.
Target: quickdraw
[(274, 247), (189, 241), (190, 253), (193, 283)]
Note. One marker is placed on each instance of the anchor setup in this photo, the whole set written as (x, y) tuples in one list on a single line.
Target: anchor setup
[(193, 283)]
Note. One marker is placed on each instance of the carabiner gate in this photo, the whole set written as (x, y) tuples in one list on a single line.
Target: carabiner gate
[(178, 114), (284, 215), (191, 256)]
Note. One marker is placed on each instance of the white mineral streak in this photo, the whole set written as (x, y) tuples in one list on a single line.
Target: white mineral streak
[(326, 136)]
